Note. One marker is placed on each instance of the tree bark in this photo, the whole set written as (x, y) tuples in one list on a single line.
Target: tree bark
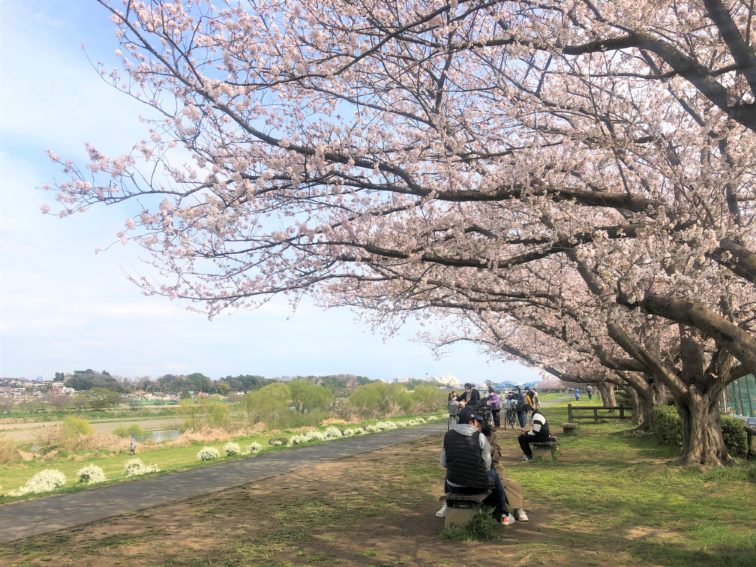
[(703, 443), (637, 402), (607, 395)]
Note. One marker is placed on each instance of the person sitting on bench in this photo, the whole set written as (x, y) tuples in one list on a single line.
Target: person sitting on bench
[(466, 455), (539, 433), (512, 488)]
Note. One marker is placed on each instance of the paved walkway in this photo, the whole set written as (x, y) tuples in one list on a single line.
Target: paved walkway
[(65, 511)]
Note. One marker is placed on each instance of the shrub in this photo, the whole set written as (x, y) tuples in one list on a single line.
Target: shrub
[(232, 449), (135, 467), (8, 452), (333, 433), (482, 527), (91, 474), (735, 436), (315, 436), (278, 441), (666, 426), (297, 440), (74, 426), (208, 454), (132, 430), (43, 481), (255, 447)]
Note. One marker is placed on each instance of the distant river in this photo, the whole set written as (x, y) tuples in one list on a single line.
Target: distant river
[(164, 427)]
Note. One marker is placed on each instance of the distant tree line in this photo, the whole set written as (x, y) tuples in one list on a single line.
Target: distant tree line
[(184, 384)]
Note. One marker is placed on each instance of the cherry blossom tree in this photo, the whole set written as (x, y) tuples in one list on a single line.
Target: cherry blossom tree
[(567, 173)]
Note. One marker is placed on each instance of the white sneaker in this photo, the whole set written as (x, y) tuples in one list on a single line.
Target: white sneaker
[(525, 458), (442, 512), (521, 516)]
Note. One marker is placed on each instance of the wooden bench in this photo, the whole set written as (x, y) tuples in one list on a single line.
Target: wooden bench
[(463, 507), (544, 448)]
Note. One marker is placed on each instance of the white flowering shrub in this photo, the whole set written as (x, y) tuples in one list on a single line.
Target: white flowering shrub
[(315, 435), (208, 454), (135, 467), (43, 481), (278, 442), (297, 440), (333, 433), (232, 449), (371, 429), (386, 425), (254, 447), (91, 474), (348, 432), (420, 420)]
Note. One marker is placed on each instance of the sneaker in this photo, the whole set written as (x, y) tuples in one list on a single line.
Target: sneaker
[(526, 458), (507, 520), (521, 516), (442, 512)]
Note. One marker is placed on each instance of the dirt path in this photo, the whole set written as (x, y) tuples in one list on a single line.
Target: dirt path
[(389, 523)]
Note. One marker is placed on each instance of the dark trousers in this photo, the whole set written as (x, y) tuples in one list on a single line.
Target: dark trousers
[(522, 417), (495, 413), (525, 440), (497, 499)]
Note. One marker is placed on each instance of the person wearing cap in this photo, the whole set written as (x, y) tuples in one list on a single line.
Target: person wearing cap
[(466, 455)]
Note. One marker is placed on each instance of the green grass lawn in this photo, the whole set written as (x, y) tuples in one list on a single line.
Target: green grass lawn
[(647, 505)]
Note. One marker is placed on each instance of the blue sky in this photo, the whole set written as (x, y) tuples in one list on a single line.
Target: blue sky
[(63, 307)]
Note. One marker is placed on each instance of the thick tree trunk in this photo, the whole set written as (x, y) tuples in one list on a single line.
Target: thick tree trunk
[(636, 401), (703, 443), (607, 395)]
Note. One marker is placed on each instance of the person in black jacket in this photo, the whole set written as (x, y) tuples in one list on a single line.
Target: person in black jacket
[(471, 396), (466, 454), (539, 433)]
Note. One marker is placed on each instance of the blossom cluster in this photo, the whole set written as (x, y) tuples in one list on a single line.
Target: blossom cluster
[(135, 467), (91, 474), (44, 481), (208, 454)]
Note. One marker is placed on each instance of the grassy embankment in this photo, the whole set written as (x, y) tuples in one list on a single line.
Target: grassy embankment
[(167, 457)]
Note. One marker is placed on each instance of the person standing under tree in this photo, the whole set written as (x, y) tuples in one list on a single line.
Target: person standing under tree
[(589, 391), (494, 403), (522, 414)]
